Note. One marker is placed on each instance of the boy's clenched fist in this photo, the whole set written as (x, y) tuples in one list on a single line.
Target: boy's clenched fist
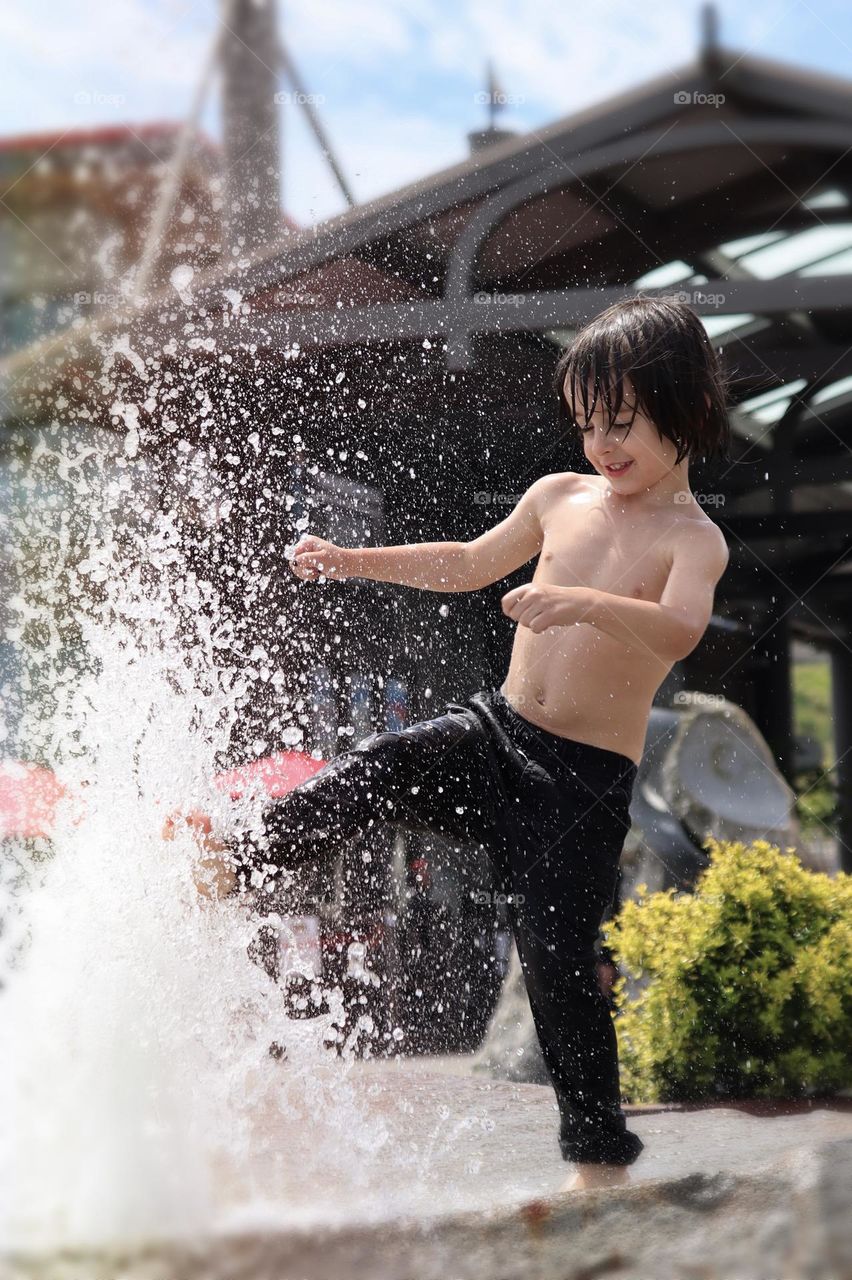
[(315, 557)]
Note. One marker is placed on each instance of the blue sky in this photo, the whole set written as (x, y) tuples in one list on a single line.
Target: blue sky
[(397, 79)]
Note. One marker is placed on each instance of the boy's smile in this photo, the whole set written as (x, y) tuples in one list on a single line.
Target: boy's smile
[(617, 468)]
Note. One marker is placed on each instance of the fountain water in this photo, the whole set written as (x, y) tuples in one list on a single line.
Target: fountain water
[(142, 1100)]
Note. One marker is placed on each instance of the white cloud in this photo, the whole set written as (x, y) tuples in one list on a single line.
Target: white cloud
[(125, 42), (560, 58), (359, 32), (553, 64), (376, 157)]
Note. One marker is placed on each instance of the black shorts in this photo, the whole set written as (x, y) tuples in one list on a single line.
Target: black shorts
[(552, 814)]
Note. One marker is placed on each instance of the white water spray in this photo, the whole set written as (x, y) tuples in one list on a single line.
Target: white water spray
[(142, 1100)]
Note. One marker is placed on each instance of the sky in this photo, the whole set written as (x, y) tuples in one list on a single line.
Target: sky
[(397, 81)]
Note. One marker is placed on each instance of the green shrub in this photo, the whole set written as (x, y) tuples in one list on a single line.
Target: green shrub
[(744, 986), (817, 801)]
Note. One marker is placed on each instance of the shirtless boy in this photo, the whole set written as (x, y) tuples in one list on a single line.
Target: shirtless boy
[(541, 770)]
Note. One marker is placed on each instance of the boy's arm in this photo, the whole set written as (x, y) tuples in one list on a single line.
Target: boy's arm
[(515, 540), (669, 629), (673, 627), (439, 566)]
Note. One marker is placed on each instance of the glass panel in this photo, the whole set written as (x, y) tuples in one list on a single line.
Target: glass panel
[(834, 392), (770, 405), (830, 199), (737, 248), (796, 251), (670, 273)]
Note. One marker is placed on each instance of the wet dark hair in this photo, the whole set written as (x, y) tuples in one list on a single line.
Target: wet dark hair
[(661, 344)]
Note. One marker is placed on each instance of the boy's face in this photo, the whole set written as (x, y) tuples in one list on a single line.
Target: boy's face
[(630, 455)]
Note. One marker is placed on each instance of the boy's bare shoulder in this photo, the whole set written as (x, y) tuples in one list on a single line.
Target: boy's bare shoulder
[(558, 483), (693, 529), (554, 479), (693, 520)]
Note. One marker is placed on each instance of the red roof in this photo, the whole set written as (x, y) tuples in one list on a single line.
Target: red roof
[(103, 134), (111, 135)]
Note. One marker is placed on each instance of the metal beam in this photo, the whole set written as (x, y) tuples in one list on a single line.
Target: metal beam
[(565, 161), (250, 126), (734, 211), (757, 368), (631, 150), (473, 178), (512, 313), (776, 83), (305, 101)]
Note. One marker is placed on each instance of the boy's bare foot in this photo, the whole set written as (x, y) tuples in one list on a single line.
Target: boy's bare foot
[(589, 1177), (212, 875)]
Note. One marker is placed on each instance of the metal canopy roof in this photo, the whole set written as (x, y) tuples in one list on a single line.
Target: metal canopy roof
[(575, 214)]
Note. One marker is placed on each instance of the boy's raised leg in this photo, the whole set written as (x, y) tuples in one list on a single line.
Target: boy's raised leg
[(432, 776)]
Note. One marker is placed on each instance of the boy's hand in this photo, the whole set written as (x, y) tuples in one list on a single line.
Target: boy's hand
[(212, 875), (315, 557), (538, 606)]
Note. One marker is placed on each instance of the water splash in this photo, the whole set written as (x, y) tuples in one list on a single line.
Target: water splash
[(143, 1096)]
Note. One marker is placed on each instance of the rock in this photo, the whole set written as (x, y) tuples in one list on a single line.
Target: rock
[(720, 777), (510, 1049)]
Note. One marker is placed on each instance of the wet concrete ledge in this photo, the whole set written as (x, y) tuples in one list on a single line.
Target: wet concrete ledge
[(717, 1195)]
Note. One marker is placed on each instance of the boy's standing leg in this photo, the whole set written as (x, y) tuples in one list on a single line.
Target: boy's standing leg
[(564, 867)]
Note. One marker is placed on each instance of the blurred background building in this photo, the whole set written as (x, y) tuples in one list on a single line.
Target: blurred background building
[(75, 216)]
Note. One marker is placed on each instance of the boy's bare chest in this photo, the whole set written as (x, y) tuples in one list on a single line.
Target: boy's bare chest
[(583, 548)]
